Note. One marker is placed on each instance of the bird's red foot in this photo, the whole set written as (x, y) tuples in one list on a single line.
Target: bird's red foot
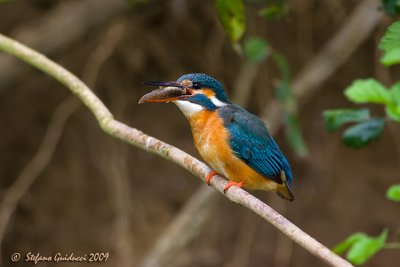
[(232, 183), (210, 175)]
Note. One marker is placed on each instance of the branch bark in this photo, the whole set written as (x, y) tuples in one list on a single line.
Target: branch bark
[(153, 145)]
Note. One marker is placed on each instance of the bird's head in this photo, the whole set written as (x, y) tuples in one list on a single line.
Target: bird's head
[(191, 92)]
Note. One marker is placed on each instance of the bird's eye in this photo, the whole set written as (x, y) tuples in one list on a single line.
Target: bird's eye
[(196, 85)]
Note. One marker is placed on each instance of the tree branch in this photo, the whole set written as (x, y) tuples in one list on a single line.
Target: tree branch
[(151, 144)]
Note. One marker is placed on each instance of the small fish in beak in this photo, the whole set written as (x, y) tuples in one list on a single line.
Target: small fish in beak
[(169, 91), (162, 95)]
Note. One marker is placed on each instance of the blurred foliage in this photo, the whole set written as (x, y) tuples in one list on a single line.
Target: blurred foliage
[(367, 91), (364, 91), (256, 50), (289, 102), (231, 16), (360, 247), (334, 119), (391, 7), (295, 135), (390, 44), (393, 193), (372, 91), (363, 133), (276, 9)]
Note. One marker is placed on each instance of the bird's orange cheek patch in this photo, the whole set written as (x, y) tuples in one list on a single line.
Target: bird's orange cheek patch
[(207, 92)]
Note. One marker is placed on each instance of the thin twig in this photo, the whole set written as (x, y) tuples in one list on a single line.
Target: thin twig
[(153, 145)]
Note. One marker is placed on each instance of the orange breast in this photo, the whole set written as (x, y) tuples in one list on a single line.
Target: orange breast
[(212, 141)]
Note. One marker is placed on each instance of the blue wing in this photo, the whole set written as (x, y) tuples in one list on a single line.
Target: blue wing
[(252, 143)]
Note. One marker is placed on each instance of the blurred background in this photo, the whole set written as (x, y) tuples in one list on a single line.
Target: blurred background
[(66, 186)]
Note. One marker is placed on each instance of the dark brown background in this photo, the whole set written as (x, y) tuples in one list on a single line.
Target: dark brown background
[(99, 194)]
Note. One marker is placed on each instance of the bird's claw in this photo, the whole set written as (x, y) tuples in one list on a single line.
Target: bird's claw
[(232, 183), (210, 175)]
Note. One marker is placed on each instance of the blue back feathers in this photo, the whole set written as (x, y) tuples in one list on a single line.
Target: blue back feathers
[(207, 82), (252, 143)]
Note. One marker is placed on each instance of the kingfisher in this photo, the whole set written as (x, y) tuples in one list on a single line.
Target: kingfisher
[(234, 142)]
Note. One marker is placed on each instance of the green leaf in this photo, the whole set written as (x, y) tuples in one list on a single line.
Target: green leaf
[(256, 50), (366, 247), (274, 12), (393, 193), (395, 91), (231, 16), (361, 247), (348, 242), (363, 133), (391, 57), (367, 91), (390, 44), (391, 7), (391, 39), (276, 9), (333, 119), (393, 112)]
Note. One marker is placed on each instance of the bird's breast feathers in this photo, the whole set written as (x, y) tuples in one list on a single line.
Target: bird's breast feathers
[(211, 139)]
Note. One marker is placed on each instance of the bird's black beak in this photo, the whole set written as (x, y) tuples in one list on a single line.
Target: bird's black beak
[(164, 84), (168, 91)]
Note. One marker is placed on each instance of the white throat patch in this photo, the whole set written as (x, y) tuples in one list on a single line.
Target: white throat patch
[(188, 108)]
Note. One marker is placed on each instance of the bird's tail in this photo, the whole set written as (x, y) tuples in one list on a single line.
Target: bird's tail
[(283, 190)]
